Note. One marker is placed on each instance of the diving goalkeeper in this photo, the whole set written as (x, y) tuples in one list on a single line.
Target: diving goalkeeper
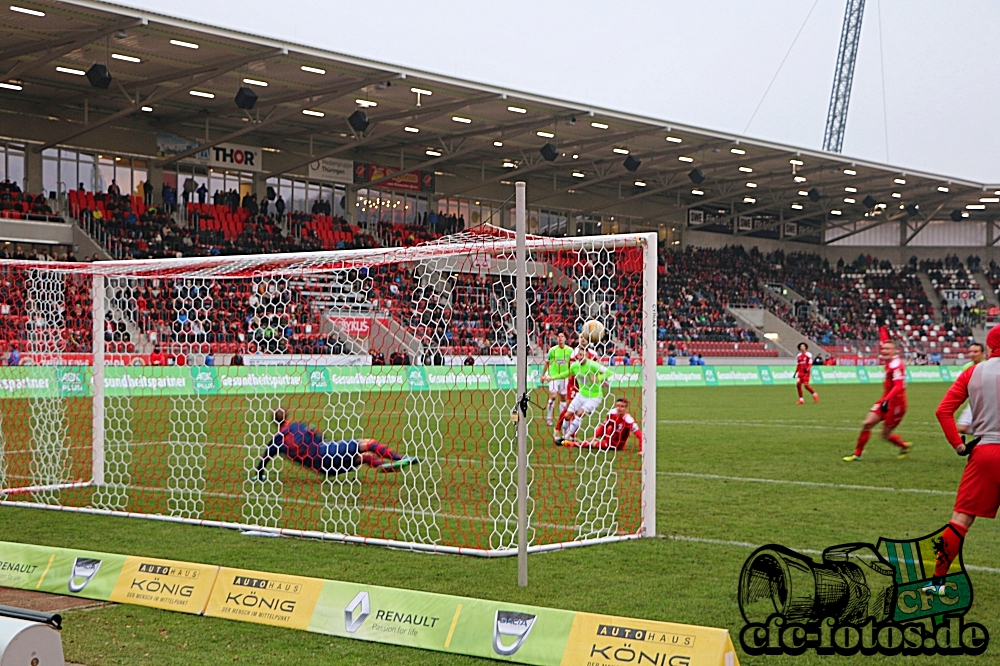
[(303, 444)]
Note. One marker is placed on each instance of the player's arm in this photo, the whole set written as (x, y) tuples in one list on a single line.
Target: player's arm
[(273, 449), (602, 374), (638, 433), (952, 400)]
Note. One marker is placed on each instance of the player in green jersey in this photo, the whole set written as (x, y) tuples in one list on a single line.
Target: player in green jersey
[(591, 381), (556, 372)]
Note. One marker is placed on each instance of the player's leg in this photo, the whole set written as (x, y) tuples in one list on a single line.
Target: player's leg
[(890, 436), (892, 420), (871, 420), (376, 455), (553, 398), (563, 397), (573, 414), (978, 496), (948, 545), (810, 389), (378, 449), (586, 406), (798, 387)]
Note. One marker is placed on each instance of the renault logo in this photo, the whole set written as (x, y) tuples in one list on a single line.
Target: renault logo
[(356, 612)]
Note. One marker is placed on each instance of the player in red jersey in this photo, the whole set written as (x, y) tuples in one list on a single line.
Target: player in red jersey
[(890, 408), (979, 491), (803, 370), (614, 432)]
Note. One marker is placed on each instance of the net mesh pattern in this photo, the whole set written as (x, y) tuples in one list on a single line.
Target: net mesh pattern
[(365, 350)]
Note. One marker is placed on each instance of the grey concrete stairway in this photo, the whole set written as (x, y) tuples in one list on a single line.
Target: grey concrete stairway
[(772, 329)]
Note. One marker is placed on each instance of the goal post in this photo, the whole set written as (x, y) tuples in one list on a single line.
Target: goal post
[(152, 389)]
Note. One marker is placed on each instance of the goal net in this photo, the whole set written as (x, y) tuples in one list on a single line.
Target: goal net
[(156, 389)]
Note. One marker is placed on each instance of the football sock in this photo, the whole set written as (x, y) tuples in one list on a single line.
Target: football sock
[(947, 547), (574, 425), (810, 389), (799, 387), (548, 409), (561, 422), (862, 440), (897, 440), (383, 451)]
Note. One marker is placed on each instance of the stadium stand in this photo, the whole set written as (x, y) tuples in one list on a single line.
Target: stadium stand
[(840, 307), (18, 205)]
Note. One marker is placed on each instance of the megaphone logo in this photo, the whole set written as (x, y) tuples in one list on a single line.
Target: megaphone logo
[(864, 598)]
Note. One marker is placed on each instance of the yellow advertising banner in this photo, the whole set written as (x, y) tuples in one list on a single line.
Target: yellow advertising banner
[(459, 625), (264, 598), (617, 641), (165, 584)]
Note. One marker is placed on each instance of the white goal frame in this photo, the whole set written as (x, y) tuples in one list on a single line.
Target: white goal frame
[(500, 242)]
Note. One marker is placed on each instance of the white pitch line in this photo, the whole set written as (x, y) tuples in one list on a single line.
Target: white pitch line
[(806, 551), (815, 484), (775, 424)]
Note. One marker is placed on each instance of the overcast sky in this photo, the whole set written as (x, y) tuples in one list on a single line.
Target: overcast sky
[(705, 64)]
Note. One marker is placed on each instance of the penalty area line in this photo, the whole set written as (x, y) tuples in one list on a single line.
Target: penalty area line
[(805, 551), (812, 484)]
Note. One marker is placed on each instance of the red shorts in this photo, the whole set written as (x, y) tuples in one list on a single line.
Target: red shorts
[(893, 417), (804, 378), (979, 491)]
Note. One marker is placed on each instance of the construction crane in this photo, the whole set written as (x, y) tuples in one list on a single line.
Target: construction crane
[(843, 77)]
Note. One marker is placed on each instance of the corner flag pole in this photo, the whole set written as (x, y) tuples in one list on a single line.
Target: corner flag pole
[(521, 325)]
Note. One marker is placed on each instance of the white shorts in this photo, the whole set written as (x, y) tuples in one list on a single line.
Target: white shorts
[(965, 418), (588, 405), (558, 386)]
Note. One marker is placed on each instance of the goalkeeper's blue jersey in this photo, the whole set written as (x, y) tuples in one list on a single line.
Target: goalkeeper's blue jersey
[(298, 440), (302, 443)]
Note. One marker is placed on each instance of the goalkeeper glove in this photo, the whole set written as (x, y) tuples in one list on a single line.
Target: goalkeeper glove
[(968, 446), (885, 406)]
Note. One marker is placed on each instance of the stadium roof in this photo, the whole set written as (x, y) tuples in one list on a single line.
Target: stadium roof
[(467, 132)]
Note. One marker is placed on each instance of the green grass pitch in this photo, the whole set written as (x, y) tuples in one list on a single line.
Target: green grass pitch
[(717, 446)]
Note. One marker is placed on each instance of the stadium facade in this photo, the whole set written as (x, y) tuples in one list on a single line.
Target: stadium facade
[(380, 141)]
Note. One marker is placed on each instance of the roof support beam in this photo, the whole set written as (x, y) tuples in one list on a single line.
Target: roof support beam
[(275, 115), (442, 137), (49, 51), (475, 145), (160, 93), (536, 166)]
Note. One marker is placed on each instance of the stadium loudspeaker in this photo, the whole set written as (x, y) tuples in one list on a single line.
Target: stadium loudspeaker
[(631, 163), (912, 209), (956, 215), (815, 195), (358, 121), (696, 176), (99, 76), (246, 98), (549, 152), (869, 201)]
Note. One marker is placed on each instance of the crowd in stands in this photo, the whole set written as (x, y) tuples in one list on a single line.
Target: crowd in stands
[(839, 306), (18, 205), (131, 229)]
